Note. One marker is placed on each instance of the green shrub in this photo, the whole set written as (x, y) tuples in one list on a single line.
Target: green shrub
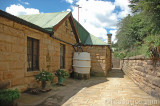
[(120, 55), (151, 42), (61, 73), (44, 76), (7, 96)]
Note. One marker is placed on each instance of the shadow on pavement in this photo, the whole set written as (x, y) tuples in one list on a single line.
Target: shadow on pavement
[(59, 94), (73, 86)]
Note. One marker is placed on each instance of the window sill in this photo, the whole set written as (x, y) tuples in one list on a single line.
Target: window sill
[(32, 73)]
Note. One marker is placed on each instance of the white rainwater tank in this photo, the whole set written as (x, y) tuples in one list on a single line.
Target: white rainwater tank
[(82, 62)]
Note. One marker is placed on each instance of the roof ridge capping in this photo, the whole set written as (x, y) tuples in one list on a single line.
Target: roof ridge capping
[(44, 13)]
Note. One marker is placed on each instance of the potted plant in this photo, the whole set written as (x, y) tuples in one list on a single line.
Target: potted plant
[(44, 76), (7, 97), (61, 74)]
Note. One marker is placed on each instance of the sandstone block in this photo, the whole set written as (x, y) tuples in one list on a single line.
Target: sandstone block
[(21, 88), (102, 57), (149, 62), (99, 61), (3, 66), (18, 49), (157, 89), (1, 28), (19, 73), (156, 81), (8, 38), (1, 76), (21, 42), (28, 80), (34, 84), (3, 57), (158, 74), (8, 75), (18, 26), (5, 47), (139, 68), (93, 61), (149, 78), (12, 65), (30, 74), (4, 84), (17, 81), (12, 57), (13, 32), (154, 93), (6, 21)]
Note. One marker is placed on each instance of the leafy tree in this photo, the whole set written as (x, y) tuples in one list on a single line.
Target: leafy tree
[(133, 29), (122, 33), (151, 10)]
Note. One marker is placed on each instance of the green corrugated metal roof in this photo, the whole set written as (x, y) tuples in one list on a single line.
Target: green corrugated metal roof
[(45, 20), (83, 33), (93, 40), (86, 37), (49, 20)]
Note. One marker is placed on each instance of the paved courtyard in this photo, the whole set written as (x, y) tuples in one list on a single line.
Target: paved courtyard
[(116, 89)]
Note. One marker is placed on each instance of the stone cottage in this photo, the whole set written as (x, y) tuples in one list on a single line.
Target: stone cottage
[(31, 43)]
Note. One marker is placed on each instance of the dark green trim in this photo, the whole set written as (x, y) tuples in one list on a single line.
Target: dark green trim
[(96, 45), (74, 27), (61, 40)]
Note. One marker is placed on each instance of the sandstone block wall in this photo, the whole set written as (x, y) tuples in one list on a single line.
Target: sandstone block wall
[(144, 74), (65, 32), (13, 52), (100, 59)]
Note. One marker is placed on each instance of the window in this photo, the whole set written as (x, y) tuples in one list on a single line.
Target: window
[(62, 56), (32, 54)]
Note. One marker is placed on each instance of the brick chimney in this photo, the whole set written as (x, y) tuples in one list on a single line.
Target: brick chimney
[(109, 38)]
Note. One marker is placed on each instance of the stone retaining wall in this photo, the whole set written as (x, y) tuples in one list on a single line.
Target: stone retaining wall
[(144, 74)]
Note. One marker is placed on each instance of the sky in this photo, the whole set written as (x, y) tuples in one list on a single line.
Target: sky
[(99, 17)]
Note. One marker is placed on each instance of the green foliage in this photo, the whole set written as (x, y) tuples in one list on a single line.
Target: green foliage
[(122, 34), (134, 30), (119, 55), (44, 76), (61, 73), (152, 41), (7, 96), (151, 10), (149, 43)]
